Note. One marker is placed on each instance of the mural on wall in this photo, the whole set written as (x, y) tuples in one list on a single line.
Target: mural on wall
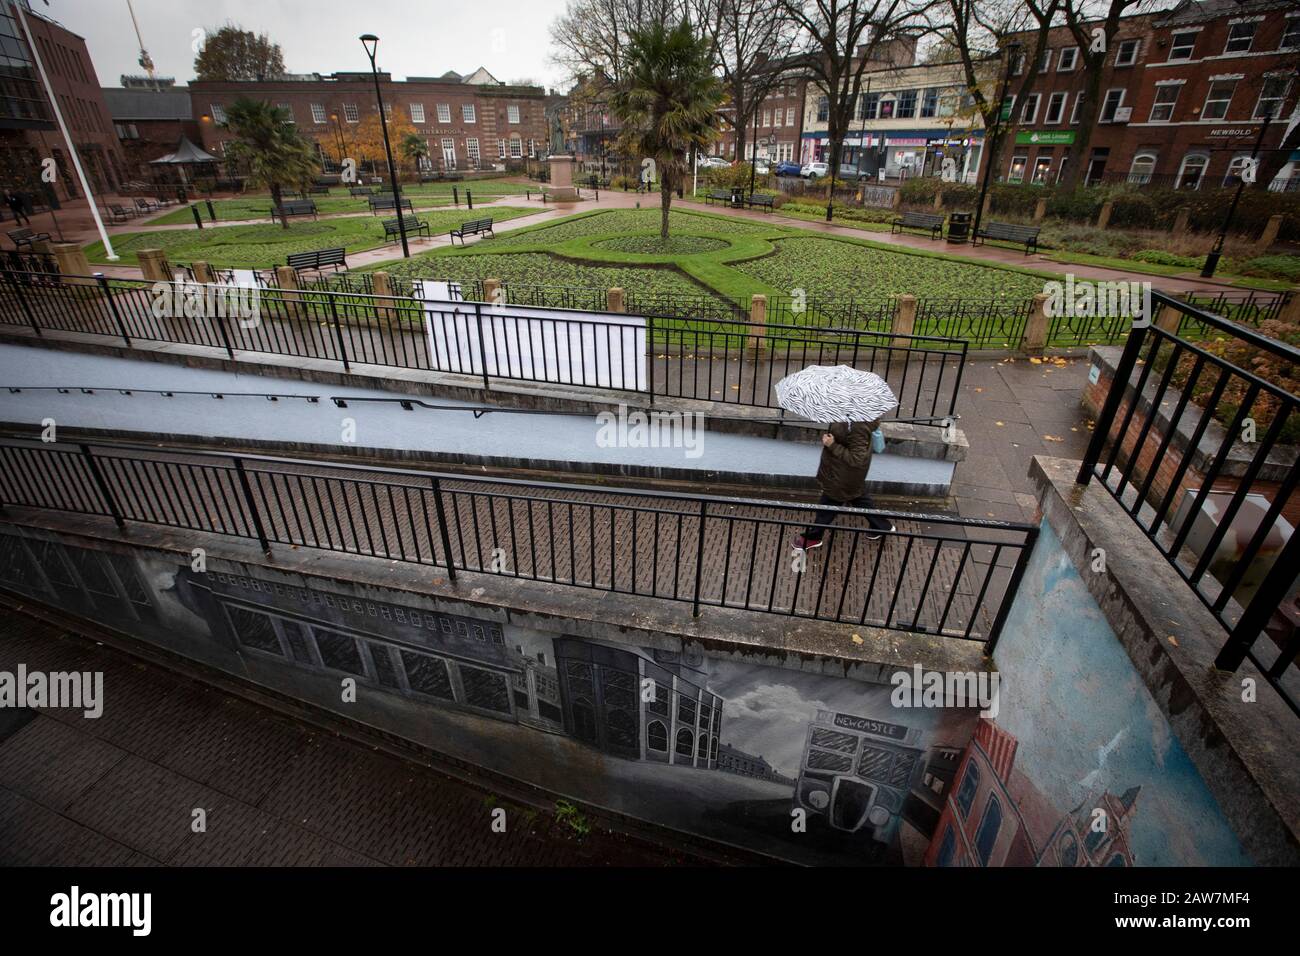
[(807, 767)]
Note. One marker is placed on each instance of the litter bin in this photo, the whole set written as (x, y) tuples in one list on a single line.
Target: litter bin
[(959, 226), (737, 197)]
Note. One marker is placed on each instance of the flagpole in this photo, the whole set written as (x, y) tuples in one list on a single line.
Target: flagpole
[(63, 127)]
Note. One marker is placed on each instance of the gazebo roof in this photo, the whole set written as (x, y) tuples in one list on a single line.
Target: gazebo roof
[(185, 152)]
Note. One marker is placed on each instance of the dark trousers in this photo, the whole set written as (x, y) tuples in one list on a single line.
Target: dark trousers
[(823, 519), (20, 217)]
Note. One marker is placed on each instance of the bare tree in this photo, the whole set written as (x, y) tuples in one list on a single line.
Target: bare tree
[(978, 32), (1094, 24), (839, 38), (752, 42), (591, 36)]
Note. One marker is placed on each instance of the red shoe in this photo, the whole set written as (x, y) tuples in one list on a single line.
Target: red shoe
[(806, 544)]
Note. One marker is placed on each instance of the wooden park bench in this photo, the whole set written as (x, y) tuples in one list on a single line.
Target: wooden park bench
[(25, 237), (1009, 232), (317, 260), (296, 207), (147, 205), (718, 195), (475, 227), (919, 220), (384, 202), (358, 191), (414, 227), (761, 199), (318, 190)]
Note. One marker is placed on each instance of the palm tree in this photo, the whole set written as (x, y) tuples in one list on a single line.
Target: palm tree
[(413, 148), (268, 145), (667, 101)]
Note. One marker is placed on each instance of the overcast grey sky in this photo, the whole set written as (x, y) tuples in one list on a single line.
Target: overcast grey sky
[(416, 37)]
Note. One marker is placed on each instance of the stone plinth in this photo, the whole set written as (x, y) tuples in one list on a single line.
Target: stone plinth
[(561, 187)]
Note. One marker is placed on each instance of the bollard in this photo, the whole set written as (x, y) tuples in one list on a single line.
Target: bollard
[(1035, 338), (492, 292), (757, 321), (1103, 217), (154, 265), (383, 286), (455, 196), (198, 220), (1269, 235), (212, 213), (202, 272), (469, 199), (904, 320), (287, 282), (614, 300)]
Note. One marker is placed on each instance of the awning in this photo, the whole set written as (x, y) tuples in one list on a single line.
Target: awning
[(185, 153)]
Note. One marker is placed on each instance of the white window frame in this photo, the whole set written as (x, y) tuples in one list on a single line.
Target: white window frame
[(472, 155), (318, 114), (512, 114), (350, 114), (288, 108), (417, 113), (501, 149), (1023, 159), (1056, 102), (388, 112), (1177, 87), (1143, 154), (1182, 167), (1046, 65), (767, 118), (1031, 99), (448, 147), (1074, 60), (1280, 99), (1119, 50), (532, 148), (1227, 104), (1119, 104), (1291, 30), (444, 113), (1238, 161), (1173, 45), (516, 146), (1253, 23), (776, 118), (468, 114), (789, 116), (1078, 105), (218, 112)]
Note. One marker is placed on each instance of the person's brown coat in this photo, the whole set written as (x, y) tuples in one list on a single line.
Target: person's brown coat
[(842, 473)]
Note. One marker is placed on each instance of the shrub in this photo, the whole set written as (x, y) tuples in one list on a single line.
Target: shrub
[(1162, 258), (1286, 268), (624, 182)]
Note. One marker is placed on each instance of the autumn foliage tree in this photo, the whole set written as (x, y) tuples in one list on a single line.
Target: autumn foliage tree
[(232, 53)]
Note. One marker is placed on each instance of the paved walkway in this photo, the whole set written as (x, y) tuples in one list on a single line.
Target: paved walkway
[(121, 790), (78, 226)]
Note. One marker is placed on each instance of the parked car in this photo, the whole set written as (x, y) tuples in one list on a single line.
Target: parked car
[(761, 168), (815, 170), (713, 162), (788, 168)]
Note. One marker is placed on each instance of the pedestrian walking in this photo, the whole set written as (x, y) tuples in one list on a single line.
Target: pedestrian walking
[(842, 476), (15, 203)]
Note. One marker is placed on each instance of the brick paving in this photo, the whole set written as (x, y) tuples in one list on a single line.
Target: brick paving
[(120, 790)]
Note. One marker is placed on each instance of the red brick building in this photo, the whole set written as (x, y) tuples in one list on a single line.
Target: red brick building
[(469, 122), (1183, 93), (28, 131), (149, 121), (779, 124)]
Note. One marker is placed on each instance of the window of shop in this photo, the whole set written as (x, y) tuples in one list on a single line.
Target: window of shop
[(1182, 45), (789, 116), (868, 106), (776, 119), (823, 109), (930, 102), (1233, 176), (685, 743), (1042, 169), (1192, 169), (1162, 107), (656, 737), (1218, 99), (427, 675), (1144, 164), (1241, 36), (1017, 171), (906, 108)]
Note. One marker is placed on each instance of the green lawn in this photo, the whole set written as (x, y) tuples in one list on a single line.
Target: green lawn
[(264, 245), (426, 196)]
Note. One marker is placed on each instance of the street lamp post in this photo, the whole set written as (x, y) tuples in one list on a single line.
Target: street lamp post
[(371, 44), (991, 139), (1212, 260), (343, 142), (753, 150)]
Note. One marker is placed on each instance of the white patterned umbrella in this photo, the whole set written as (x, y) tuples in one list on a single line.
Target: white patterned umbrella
[(835, 393)]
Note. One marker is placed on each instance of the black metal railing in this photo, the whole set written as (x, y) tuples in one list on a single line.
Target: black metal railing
[(939, 575), (723, 361), (1198, 442)]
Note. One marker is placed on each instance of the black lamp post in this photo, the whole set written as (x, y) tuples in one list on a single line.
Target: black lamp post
[(371, 43), (992, 136), (753, 149), (1212, 260)]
